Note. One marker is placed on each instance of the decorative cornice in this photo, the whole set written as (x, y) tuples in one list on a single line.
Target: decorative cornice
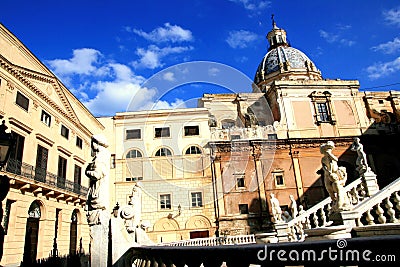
[(65, 151), (261, 146), (78, 159), (23, 74), (20, 125), (44, 139)]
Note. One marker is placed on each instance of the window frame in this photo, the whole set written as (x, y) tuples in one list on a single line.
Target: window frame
[(188, 128), (65, 128), (163, 148), (79, 142), (45, 117), (21, 97), (196, 202), (161, 132), (197, 148), (136, 155), (168, 206), (317, 99), (133, 132), (246, 210), (278, 173)]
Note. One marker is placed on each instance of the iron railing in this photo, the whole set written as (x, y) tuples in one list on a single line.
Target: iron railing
[(41, 175)]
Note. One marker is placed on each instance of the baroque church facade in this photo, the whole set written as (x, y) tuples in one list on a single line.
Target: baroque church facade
[(201, 171)]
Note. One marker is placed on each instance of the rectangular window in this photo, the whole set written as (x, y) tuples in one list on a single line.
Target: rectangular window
[(79, 142), (197, 199), (133, 134), (46, 118), (22, 101), (16, 154), (162, 132), (240, 182), (6, 217), (41, 163), (191, 130), (244, 208), (77, 178), (62, 172), (64, 131), (279, 178), (323, 112), (165, 201)]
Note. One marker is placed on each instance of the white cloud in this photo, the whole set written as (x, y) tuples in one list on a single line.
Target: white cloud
[(168, 33), (253, 5), (336, 38), (329, 37), (169, 76), (82, 62), (392, 16), (389, 47), (213, 71), (241, 38), (161, 104), (152, 56), (116, 94), (379, 70)]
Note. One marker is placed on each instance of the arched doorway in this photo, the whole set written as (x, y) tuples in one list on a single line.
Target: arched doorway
[(73, 233), (32, 232)]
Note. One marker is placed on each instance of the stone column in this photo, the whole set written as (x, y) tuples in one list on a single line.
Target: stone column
[(97, 213)]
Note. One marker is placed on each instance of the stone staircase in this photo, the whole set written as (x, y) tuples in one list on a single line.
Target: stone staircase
[(369, 207)]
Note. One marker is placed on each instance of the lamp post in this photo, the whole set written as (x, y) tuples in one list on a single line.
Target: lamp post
[(6, 144)]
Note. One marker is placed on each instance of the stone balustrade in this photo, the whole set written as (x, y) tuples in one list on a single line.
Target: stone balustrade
[(214, 241), (318, 215), (234, 133), (381, 208)]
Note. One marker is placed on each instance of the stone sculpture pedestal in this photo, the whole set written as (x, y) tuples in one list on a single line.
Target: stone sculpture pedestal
[(99, 241)]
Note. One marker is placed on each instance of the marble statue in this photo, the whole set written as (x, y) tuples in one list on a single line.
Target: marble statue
[(334, 178), (361, 162), (276, 209), (98, 173), (293, 207)]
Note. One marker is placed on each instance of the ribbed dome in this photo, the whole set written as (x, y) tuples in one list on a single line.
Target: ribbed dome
[(282, 57), (283, 61)]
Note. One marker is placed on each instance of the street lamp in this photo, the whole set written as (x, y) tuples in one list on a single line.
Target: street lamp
[(6, 143)]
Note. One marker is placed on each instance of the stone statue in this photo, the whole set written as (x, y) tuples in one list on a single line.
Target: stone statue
[(361, 162), (334, 178), (276, 209), (136, 201), (293, 207), (98, 173)]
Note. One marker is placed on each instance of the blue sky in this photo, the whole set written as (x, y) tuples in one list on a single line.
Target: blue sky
[(104, 51)]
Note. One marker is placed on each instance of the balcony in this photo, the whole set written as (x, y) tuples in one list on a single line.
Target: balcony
[(38, 180), (235, 133)]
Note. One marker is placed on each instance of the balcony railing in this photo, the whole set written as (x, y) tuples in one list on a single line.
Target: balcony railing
[(41, 175)]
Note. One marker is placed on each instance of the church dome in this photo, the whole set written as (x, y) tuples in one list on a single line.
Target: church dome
[(283, 61)]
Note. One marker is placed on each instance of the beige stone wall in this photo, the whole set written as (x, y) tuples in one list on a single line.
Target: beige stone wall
[(22, 73)]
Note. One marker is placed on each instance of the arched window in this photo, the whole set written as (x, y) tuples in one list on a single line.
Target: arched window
[(193, 150), (163, 152), (34, 210), (133, 153)]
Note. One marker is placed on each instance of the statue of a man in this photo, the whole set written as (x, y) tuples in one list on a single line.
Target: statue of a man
[(361, 162), (98, 172), (293, 207), (276, 209), (334, 177)]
